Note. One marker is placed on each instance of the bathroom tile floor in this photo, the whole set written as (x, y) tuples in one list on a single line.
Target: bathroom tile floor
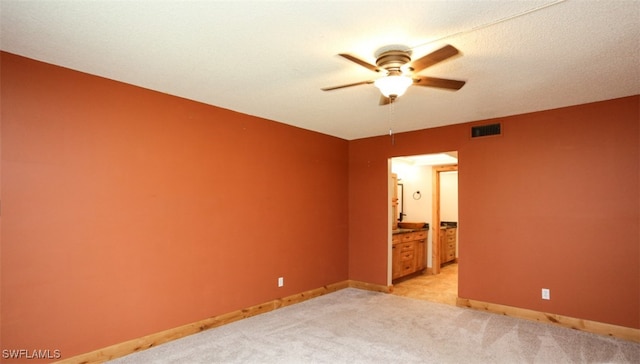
[(442, 288)]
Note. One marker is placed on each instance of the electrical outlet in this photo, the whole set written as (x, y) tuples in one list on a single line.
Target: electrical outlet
[(280, 281), (546, 294)]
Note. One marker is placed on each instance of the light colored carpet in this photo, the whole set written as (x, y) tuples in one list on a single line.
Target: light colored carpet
[(356, 326)]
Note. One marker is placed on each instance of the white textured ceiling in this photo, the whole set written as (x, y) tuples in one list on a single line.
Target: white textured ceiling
[(270, 59)]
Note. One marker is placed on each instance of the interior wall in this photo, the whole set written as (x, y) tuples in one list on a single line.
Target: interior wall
[(415, 178), (552, 203), (126, 212)]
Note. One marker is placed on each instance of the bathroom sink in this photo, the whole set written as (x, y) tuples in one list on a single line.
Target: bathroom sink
[(411, 225)]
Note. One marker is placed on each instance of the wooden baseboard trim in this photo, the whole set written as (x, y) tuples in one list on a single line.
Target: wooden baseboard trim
[(149, 341), (595, 327), (370, 286)]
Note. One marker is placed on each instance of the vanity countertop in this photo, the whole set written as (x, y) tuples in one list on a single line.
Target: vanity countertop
[(403, 231), (448, 225)]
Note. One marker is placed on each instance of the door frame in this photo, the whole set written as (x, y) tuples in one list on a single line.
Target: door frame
[(435, 217)]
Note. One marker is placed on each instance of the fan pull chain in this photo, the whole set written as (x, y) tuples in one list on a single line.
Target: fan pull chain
[(392, 112)]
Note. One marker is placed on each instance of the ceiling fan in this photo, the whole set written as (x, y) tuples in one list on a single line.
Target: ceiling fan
[(400, 71)]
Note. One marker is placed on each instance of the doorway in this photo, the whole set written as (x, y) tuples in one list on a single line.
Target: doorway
[(421, 177), (442, 218)]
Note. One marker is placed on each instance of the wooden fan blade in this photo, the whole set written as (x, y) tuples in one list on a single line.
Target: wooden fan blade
[(347, 85), (438, 82), (434, 57), (364, 64)]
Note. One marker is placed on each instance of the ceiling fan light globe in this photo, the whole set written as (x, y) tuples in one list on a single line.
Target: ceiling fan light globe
[(393, 85)]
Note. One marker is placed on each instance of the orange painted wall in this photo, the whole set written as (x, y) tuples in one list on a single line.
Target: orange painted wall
[(552, 203), (126, 211)]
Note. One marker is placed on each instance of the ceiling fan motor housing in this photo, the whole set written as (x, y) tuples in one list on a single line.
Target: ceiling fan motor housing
[(393, 60)]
